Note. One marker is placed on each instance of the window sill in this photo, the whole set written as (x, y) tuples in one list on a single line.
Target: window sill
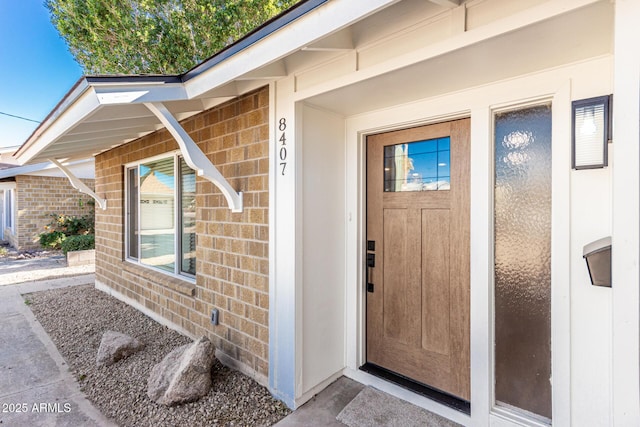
[(179, 285)]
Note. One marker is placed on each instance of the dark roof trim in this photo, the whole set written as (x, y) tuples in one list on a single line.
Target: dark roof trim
[(134, 78), (254, 36)]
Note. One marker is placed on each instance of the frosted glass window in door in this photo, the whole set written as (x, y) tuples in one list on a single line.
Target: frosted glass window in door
[(523, 261)]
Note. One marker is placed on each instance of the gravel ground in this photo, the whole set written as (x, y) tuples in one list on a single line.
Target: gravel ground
[(75, 318)]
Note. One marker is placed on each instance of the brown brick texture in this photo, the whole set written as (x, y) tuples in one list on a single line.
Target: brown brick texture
[(232, 248), (37, 197)]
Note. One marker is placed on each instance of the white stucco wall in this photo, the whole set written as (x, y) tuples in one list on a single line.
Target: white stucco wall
[(584, 319), (323, 247), (582, 313)]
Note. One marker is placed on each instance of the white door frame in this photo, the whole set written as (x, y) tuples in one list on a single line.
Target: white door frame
[(4, 186), (478, 103)]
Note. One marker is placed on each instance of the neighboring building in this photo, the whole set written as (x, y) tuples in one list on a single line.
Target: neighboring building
[(385, 189), (30, 194)]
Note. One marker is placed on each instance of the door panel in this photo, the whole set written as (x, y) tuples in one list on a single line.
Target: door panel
[(418, 215), (435, 271), (397, 294)]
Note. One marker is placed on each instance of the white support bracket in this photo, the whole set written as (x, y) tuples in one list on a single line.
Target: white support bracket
[(194, 157), (79, 185)]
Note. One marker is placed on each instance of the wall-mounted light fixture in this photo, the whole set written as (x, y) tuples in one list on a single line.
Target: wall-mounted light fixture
[(591, 131), (598, 257)]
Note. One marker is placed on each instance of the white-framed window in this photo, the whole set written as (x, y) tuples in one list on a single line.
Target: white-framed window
[(8, 209), (160, 214)]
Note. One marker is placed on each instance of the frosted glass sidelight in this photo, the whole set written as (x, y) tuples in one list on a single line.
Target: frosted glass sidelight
[(523, 261)]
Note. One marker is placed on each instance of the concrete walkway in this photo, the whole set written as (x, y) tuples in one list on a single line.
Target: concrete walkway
[(323, 408), (36, 387), (50, 266)]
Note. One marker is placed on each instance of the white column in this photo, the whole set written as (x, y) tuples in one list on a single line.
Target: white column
[(283, 241), (625, 239)]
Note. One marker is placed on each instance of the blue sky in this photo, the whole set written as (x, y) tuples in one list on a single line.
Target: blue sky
[(36, 68)]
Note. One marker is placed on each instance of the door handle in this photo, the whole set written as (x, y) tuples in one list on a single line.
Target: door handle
[(371, 260), (371, 263)]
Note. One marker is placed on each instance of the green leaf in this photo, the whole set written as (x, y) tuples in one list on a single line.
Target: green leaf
[(154, 36)]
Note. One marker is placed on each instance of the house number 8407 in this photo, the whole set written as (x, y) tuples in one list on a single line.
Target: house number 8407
[(282, 127)]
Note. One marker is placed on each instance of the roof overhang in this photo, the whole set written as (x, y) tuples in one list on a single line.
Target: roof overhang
[(83, 167), (103, 112)]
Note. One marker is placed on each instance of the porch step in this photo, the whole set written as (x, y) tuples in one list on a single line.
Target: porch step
[(372, 407)]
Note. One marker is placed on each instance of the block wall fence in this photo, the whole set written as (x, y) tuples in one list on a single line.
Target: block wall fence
[(231, 248), (39, 196)]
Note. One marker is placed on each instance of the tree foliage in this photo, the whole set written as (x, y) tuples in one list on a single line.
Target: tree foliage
[(154, 36)]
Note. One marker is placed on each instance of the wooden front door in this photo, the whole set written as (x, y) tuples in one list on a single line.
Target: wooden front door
[(418, 232)]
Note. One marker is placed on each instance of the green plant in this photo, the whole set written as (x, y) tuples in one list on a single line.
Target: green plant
[(72, 225), (78, 243), (150, 37), (3, 251), (52, 239), (63, 226)]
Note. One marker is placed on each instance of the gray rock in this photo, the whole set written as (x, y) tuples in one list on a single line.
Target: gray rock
[(115, 346), (184, 375)]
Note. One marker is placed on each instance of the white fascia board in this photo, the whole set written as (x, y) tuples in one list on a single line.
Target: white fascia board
[(139, 94), (447, 3), (83, 107), (340, 41), (87, 99), (24, 170), (511, 23), (326, 19), (39, 168)]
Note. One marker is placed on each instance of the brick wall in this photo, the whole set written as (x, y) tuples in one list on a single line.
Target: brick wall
[(231, 249), (39, 196)]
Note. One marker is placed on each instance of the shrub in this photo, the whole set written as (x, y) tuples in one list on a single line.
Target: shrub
[(52, 239), (79, 242), (63, 226), (72, 225)]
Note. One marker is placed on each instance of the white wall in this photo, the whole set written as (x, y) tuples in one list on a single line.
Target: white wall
[(626, 217), (581, 313), (307, 247), (323, 247), (590, 305)]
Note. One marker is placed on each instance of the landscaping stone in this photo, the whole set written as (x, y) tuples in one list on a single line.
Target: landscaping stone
[(116, 346), (76, 317), (184, 375)]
